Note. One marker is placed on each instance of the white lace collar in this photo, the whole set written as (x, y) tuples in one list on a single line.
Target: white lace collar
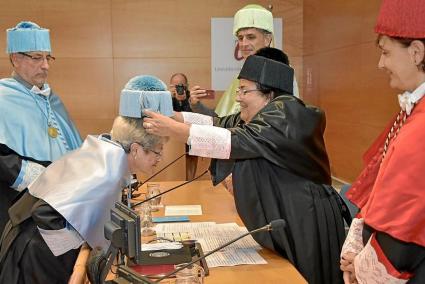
[(407, 100)]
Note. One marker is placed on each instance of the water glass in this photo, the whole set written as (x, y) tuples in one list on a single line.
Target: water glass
[(152, 190), (146, 224), (194, 274)]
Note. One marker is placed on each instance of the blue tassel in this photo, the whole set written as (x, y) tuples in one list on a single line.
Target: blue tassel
[(27, 25), (145, 83)]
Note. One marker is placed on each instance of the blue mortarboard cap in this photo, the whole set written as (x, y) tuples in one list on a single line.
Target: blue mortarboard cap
[(27, 36), (145, 92)]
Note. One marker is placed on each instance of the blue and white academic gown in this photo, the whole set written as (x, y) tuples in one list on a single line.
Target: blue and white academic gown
[(26, 148), (69, 203)]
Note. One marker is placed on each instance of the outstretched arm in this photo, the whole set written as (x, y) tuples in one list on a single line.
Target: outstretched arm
[(161, 125), (178, 116), (204, 140)]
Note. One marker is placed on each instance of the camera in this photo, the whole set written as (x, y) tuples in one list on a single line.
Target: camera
[(181, 89)]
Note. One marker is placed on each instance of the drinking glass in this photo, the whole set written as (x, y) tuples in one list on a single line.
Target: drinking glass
[(152, 190), (194, 274), (146, 224)]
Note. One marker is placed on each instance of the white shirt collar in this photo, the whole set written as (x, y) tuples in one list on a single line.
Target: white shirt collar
[(407, 100), (44, 92)]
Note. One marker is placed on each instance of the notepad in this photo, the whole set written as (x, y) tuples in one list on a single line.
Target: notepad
[(179, 210)]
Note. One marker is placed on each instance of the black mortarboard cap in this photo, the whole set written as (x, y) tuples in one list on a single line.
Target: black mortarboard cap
[(268, 72)]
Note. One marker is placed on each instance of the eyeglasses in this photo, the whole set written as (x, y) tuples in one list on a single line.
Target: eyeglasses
[(158, 154), (244, 92), (38, 58)]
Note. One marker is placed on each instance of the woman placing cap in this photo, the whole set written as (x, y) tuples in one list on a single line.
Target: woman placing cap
[(275, 151)]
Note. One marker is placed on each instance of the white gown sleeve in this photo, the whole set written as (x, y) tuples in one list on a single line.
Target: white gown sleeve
[(29, 172), (371, 266), (197, 118), (354, 242), (61, 241), (209, 141)]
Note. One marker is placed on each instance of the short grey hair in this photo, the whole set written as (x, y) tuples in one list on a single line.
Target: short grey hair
[(263, 31), (128, 130)]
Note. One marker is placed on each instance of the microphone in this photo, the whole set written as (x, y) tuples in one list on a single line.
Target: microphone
[(273, 225), (157, 173), (168, 190), (136, 184)]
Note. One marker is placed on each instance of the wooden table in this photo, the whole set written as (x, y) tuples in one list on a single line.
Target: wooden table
[(218, 206)]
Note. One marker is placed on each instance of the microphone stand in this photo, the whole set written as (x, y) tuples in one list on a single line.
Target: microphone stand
[(265, 228), (135, 185), (168, 190), (157, 173), (130, 276)]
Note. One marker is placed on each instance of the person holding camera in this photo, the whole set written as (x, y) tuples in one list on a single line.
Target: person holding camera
[(179, 91)]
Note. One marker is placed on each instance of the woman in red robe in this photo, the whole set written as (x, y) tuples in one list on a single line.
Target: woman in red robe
[(386, 241)]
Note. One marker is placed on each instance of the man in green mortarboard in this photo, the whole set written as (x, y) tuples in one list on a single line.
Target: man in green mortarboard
[(253, 28)]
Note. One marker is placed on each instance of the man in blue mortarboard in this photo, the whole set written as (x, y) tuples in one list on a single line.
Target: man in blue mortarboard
[(35, 128)]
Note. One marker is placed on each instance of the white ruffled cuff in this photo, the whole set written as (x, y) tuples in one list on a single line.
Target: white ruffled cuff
[(197, 118), (372, 267), (354, 241), (29, 172), (61, 241), (209, 141)]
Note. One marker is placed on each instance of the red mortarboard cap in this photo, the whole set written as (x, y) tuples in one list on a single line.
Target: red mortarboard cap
[(402, 18)]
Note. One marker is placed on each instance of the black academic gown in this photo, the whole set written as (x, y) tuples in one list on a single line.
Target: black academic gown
[(24, 256), (10, 166), (281, 170)]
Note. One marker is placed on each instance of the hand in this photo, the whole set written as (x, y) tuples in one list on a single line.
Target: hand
[(347, 266), (158, 124), (349, 278), (347, 262), (178, 116), (161, 125), (228, 184), (195, 94)]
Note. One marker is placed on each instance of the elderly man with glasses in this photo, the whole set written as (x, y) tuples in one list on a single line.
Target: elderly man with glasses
[(35, 128)]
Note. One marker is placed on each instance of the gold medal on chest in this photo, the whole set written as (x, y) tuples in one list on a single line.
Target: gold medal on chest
[(52, 131)]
